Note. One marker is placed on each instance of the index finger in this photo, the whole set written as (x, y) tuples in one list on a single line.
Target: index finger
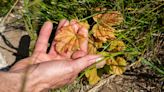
[(42, 42)]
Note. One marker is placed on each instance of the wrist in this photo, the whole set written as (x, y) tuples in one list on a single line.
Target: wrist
[(31, 80), (26, 80), (36, 82), (11, 81)]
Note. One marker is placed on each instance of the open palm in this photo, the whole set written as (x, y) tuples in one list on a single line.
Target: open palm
[(40, 52)]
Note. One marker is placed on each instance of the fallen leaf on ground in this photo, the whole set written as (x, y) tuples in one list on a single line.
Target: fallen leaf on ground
[(98, 16), (112, 18), (117, 66), (92, 76), (103, 34), (116, 45)]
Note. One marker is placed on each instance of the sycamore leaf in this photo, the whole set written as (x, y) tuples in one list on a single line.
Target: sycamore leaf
[(117, 66), (92, 76), (71, 42), (116, 45), (103, 34)]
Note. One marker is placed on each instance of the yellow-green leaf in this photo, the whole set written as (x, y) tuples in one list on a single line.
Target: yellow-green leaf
[(116, 45), (91, 48), (92, 76), (117, 66)]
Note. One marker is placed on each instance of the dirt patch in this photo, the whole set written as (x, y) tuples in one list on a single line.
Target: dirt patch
[(130, 84), (10, 44), (140, 79)]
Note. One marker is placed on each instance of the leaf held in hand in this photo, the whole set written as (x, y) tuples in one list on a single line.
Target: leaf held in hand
[(84, 24), (71, 42), (92, 76)]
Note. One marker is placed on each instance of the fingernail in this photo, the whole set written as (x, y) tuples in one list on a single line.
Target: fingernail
[(100, 58), (66, 22)]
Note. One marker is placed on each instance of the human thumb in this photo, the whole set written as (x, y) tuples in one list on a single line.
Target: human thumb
[(82, 63)]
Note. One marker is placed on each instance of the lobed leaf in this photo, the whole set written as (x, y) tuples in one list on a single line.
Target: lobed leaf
[(92, 76), (117, 66), (116, 45), (109, 19), (71, 42), (103, 34)]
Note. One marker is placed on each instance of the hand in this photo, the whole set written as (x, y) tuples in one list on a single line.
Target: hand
[(53, 74), (52, 70), (39, 55)]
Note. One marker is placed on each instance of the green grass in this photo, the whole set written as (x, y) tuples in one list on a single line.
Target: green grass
[(5, 6), (142, 29)]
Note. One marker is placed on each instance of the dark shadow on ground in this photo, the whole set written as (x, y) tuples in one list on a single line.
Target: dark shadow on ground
[(22, 50)]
